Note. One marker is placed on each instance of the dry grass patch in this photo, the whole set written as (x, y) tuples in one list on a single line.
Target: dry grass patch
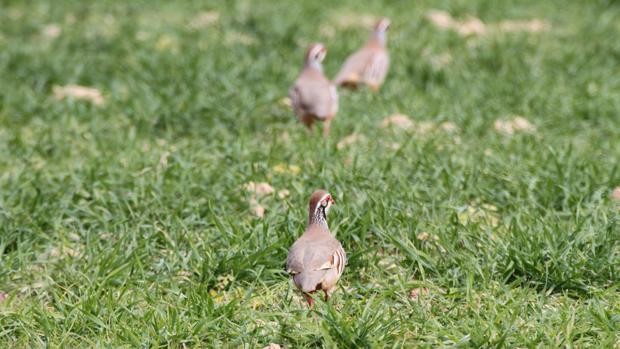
[(89, 94)]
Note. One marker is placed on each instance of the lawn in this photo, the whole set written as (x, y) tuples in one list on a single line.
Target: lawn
[(156, 209)]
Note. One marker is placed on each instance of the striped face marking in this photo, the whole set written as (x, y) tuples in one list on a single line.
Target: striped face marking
[(383, 25), (325, 203), (316, 53)]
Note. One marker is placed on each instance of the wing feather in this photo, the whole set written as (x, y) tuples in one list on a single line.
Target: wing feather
[(377, 68)]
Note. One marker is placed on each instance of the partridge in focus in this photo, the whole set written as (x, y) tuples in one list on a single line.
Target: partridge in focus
[(313, 96), (316, 260), (369, 65)]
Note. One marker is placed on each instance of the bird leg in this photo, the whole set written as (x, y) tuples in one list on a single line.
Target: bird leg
[(326, 124), (326, 295), (309, 299)]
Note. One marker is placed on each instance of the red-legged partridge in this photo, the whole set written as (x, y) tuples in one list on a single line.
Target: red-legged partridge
[(313, 96), (369, 65), (316, 260)]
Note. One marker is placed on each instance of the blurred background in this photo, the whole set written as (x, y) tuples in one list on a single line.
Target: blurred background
[(153, 175)]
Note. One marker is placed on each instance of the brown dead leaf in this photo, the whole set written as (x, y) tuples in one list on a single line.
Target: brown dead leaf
[(471, 26), (504, 126), (421, 128), (258, 210), (355, 20), (184, 274), (283, 168), (284, 137), (397, 120), (163, 160), (349, 140), (423, 236), (441, 19), (234, 38), (449, 127), (56, 252), (388, 262), (415, 293), (294, 169), (283, 193), (167, 43), (424, 127), (511, 126), (256, 303), (3, 296), (522, 124), (280, 168), (74, 237), (216, 296), (286, 102), (441, 60), (530, 26), (392, 145), (479, 213), (259, 189), (78, 92), (273, 346), (615, 194), (204, 19), (51, 31)]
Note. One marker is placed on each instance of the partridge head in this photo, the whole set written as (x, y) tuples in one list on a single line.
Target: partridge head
[(369, 65), (316, 260), (313, 96)]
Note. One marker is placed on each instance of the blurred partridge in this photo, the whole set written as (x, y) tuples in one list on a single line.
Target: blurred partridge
[(313, 96), (316, 260), (369, 65)]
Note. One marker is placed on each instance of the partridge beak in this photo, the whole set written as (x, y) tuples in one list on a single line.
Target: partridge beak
[(331, 199)]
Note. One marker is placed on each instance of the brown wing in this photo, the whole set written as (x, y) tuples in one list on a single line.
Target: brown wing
[(310, 258), (377, 68), (333, 274), (296, 101), (352, 70), (313, 94)]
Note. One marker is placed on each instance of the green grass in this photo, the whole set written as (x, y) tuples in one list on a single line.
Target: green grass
[(128, 225)]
